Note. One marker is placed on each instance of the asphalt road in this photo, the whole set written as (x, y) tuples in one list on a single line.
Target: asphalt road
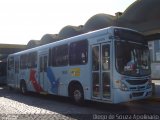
[(14, 105)]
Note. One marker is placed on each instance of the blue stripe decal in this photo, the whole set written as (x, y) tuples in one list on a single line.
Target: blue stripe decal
[(53, 81)]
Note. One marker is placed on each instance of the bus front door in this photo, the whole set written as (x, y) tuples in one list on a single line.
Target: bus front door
[(42, 71), (101, 71)]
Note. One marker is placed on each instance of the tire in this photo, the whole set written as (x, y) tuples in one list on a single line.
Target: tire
[(77, 94), (23, 88)]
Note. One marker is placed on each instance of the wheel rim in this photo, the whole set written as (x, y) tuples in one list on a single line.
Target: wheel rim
[(77, 95), (23, 88)]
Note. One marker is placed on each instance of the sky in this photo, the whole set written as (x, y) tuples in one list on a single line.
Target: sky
[(25, 20)]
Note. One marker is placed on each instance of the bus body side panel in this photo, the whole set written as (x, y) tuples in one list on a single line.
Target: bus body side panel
[(60, 77)]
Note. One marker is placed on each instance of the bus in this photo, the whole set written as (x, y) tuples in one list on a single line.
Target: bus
[(3, 72), (109, 65)]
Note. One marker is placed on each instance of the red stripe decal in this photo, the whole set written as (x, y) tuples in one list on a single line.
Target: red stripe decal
[(35, 84)]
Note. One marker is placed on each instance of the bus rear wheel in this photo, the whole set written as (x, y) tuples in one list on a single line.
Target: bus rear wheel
[(77, 94), (23, 88)]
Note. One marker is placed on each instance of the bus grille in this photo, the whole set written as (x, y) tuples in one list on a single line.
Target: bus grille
[(137, 94), (136, 82), (137, 88)]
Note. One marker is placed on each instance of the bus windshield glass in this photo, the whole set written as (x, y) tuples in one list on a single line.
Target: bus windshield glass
[(132, 58)]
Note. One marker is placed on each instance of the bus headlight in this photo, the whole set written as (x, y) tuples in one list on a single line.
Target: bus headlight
[(123, 87)]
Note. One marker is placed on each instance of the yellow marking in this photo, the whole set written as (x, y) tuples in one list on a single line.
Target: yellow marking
[(117, 81), (75, 72)]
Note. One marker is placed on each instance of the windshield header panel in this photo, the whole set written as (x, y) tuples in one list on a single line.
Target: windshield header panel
[(128, 35)]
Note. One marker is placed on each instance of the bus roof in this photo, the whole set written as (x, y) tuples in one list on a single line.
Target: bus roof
[(75, 38)]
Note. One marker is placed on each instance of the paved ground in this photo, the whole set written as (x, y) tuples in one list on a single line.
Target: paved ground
[(15, 106)]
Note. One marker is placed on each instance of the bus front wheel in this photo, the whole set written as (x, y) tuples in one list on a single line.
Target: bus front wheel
[(77, 94)]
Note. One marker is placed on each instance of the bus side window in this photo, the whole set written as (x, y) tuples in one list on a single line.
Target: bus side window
[(16, 67), (78, 52), (32, 60), (60, 55), (41, 64), (10, 63), (23, 61)]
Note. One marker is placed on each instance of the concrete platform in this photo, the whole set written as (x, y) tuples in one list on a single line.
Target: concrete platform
[(156, 90)]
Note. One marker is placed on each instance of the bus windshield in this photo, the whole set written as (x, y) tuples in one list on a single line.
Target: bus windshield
[(132, 58)]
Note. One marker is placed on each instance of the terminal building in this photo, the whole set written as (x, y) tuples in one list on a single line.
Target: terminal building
[(142, 15), (5, 50)]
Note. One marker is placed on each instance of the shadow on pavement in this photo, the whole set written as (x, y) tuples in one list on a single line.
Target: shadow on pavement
[(65, 106)]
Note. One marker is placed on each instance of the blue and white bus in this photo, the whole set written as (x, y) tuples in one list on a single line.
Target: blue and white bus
[(109, 65)]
